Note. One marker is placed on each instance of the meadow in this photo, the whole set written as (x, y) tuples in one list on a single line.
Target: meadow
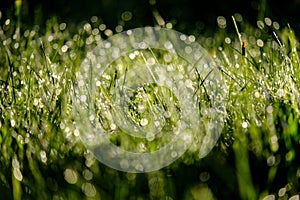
[(255, 157)]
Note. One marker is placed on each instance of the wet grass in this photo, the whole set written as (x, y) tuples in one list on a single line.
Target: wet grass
[(256, 157)]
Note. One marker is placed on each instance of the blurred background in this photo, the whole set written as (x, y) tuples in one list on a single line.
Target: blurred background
[(184, 15)]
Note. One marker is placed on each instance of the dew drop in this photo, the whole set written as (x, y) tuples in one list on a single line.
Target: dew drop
[(268, 21), (144, 122), (35, 101), (16, 45), (256, 94), (151, 61), (221, 22), (126, 16), (7, 22), (269, 197), (62, 26), (169, 25), (139, 167), (273, 139), (192, 38), (167, 114), (15, 163), (18, 174), (131, 56), (244, 124), (204, 176), (168, 45), (124, 164), (150, 137), (271, 160), (91, 117), (43, 156), (170, 68), (83, 98), (157, 123), (98, 83), (119, 28), (87, 174), (259, 43), (189, 83), (70, 176), (174, 154), (88, 189), (167, 58), (64, 48), (295, 197), (188, 49), (280, 92), (183, 37), (281, 192), (94, 19), (227, 40), (102, 27), (76, 132), (270, 109), (12, 123)]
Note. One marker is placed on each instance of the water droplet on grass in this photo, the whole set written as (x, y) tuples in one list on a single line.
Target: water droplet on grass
[(268, 21), (43, 156), (139, 167), (150, 137), (94, 19), (221, 22), (182, 37), (62, 26), (16, 45), (188, 49), (124, 164), (87, 27), (87, 174), (280, 92), (64, 48), (174, 154), (271, 160), (15, 163), (269, 197), (126, 16), (260, 43), (12, 122), (204, 176), (256, 94), (189, 83), (92, 117), (83, 98), (108, 32), (76, 132), (281, 192), (270, 109), (18, 174), (295, 197), (7, 22), (102, 27), (70, 176), (144, 122), (89, 189), (244, 124)]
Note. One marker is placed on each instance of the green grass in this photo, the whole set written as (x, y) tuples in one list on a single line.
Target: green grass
[(42, 156)]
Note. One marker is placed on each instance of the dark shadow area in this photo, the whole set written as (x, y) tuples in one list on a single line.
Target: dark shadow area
[(184, 14)]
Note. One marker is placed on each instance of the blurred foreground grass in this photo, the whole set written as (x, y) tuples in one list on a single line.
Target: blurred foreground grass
[(256, 157)]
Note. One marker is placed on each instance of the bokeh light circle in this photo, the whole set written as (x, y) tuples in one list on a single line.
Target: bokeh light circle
[(145, 96)]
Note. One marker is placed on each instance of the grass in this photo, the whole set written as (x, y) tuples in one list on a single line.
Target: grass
[(256, 156)]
